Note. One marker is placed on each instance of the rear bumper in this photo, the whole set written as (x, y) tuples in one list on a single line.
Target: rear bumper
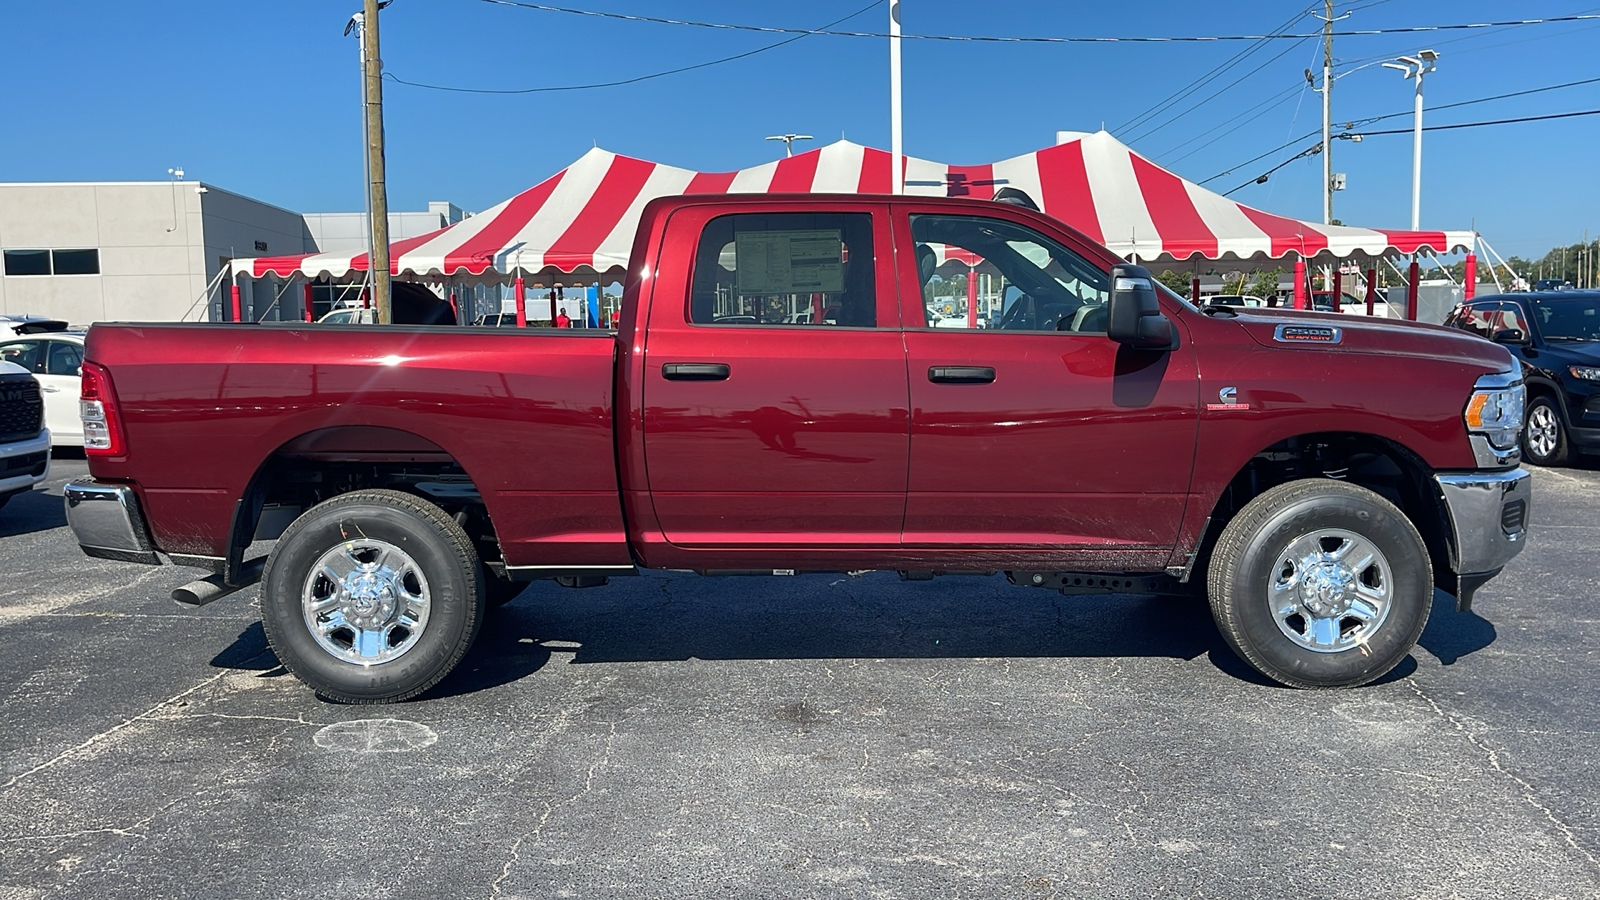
[(108, 523), (1489, 521)]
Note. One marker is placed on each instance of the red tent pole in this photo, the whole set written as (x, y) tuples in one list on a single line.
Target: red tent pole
[(1299, 283), (310, 308), (1338, 288), (1372, 290), (972, 297), (1413, 290), (522, 304), (238, 313), (1194, 289), (1469, 281)]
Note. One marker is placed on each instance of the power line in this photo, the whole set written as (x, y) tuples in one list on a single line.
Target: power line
[(1370, 119), (1207, 77), (771, 29), (605, 84), (1315, 149), (1235, 83)]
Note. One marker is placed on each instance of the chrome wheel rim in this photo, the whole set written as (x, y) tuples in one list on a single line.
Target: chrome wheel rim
[(1543, 430), (1331, 590), (366, 602)]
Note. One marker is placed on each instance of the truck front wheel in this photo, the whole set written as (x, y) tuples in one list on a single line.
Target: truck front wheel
[(1320, 583), (372, 596)]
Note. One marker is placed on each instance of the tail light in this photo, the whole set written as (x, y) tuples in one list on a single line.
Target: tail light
[(97, 406)]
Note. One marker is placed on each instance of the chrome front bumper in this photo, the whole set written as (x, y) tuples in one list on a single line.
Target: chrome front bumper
[(1489, 521), (108, 523)]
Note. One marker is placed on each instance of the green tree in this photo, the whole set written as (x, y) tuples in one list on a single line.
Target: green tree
[(1177, 282), (1264, 284)]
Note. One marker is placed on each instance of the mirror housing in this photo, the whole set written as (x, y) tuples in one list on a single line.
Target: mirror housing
[(1134, 316), (1509, 336)]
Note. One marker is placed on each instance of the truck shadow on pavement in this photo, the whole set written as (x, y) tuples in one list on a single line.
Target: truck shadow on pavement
[(834, 616), (33, 511), (673, 618)]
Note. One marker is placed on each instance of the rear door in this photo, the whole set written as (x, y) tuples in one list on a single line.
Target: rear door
[(774, 387), (60, 385), (1030, 428)]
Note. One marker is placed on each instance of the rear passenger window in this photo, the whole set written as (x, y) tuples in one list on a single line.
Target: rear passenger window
[(785, 269)]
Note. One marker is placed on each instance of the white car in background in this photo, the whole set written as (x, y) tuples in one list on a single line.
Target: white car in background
[(54, 357)]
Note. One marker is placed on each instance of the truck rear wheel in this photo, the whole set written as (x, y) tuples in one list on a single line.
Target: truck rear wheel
[(1320, 583), (372, 596)]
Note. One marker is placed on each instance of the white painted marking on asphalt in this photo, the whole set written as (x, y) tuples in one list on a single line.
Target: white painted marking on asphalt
[(375, 736)]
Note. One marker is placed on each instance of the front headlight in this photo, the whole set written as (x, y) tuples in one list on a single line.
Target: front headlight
[(1587, 373), (1496, 413)]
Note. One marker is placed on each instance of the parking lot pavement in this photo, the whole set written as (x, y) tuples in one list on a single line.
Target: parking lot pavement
[(823, 735)]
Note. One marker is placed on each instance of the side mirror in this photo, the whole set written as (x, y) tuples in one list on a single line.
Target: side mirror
[(1509, 336), (1133, 315)]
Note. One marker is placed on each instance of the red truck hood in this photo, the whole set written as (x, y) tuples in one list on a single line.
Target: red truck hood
[(1306, 331)]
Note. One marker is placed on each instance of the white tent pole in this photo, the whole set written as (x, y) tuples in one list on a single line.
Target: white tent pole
[(896, 146)]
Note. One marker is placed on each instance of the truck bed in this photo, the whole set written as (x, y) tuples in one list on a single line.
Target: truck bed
[(527, 414)]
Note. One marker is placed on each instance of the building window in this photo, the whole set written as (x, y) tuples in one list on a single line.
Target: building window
[(27, 262), (76, 262), (66, 262)]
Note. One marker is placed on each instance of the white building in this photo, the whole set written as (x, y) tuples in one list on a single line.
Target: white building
[(148, 251)]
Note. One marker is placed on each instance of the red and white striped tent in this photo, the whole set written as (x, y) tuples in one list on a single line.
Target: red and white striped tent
[(582, 219)]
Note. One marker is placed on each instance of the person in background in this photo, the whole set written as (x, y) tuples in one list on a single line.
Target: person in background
[(561, 319), (616, 318)]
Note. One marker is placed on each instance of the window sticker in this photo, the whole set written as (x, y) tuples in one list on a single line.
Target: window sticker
[(790, 262)]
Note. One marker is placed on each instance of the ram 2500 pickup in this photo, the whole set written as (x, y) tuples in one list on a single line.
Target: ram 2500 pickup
[(794, 386)]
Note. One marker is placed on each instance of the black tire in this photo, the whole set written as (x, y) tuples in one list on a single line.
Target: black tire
[(1267, 559), (430, 559), (1545, 432)]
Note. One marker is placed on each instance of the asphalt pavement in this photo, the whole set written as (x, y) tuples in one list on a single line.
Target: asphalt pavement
[(813, 736)]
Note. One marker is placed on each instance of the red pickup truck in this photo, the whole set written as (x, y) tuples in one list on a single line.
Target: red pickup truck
[(780, 398)]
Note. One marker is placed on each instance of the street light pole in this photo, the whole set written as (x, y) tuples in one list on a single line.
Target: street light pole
[(898, 177), (1416, 67)]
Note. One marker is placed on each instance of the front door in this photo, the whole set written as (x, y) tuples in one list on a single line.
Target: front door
[(1031, 430), (774, 389)]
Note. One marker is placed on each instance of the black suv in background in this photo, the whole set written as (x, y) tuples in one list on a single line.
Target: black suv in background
[(1556, 335)]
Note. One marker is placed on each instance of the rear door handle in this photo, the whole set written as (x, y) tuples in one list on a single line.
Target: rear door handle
[(961, 374), (49, 388), (695, 371)]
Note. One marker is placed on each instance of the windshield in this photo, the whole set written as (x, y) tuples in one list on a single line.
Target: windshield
[(1569, 319)]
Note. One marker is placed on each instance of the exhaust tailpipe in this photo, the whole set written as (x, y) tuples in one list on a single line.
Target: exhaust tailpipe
[(196, 594)]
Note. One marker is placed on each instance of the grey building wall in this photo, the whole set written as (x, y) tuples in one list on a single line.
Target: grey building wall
[(331, 232), (159, 243)]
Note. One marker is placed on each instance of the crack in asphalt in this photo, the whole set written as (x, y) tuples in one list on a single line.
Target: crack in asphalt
[(73, 751), (549, 810), (1493, 756)]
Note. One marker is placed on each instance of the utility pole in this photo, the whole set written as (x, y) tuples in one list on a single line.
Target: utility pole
[(378, 259), (1327, 113)]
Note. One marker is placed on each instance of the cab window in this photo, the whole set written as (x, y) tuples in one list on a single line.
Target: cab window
[(785, 270), (64, 358), (27, 354), (978, 272)]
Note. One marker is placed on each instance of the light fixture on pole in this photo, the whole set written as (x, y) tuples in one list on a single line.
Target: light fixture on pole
[(1416, 67), (788, 141)]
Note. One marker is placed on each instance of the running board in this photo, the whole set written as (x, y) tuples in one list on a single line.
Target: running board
[(1099, 582)]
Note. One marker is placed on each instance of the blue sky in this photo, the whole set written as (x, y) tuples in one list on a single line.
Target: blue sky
[(263, 98)]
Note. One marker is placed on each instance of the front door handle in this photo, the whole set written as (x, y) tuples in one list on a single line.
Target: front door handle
[(695, 371), (961, 374)]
